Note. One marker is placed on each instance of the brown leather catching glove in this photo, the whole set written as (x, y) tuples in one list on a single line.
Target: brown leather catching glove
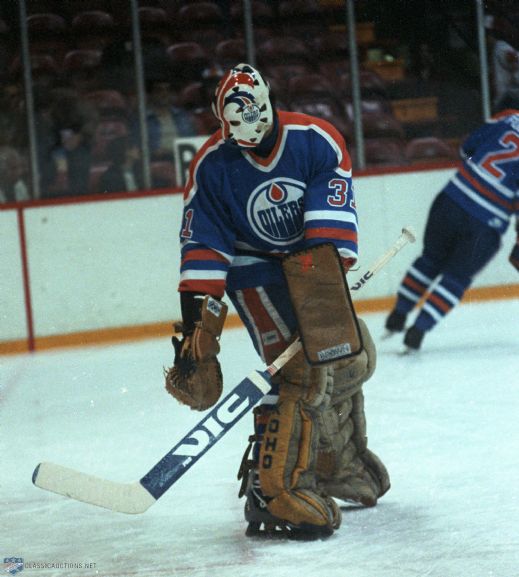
[(195, 379)]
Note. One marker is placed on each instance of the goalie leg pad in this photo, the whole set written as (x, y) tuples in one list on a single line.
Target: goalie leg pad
[(346, 468), (285, 453), (322, 304), (287, 467)]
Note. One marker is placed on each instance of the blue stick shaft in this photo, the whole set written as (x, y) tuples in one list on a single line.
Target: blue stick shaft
[(206, 433)]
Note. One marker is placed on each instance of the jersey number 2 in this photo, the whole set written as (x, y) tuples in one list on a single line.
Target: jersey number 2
[(492, 160)]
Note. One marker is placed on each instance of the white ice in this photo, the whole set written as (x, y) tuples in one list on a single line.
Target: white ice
[(445, 422)]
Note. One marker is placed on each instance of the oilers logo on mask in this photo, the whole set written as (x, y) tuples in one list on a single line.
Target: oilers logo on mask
[(275, 211), (251, 113), (246, 104)]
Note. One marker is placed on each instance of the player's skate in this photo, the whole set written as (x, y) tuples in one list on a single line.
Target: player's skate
[(395, 323), (413, 340)]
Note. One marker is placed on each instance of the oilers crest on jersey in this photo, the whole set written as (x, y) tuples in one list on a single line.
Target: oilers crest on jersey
[(242, 210), (275, 211)]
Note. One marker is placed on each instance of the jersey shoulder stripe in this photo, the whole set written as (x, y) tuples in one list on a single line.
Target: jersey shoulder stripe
[(507, 112), (210, 145), (300, 121)]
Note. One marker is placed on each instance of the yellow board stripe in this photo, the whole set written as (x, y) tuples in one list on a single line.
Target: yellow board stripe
[(158, 330)]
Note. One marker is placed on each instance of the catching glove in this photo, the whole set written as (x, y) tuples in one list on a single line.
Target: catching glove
[(195, 379)]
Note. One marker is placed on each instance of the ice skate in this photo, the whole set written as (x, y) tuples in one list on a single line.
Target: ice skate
[(262, 524), (413, 340), (395, 323)]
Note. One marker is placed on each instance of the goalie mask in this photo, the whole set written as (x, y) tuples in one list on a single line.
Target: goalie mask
[(243, 107)]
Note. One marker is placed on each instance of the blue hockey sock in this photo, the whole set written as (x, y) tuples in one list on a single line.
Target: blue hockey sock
[(445, 296), (418, 279)]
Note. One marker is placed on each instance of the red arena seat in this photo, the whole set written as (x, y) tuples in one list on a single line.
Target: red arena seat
[(384, 152), (262, 13), (284, 50), (46, 24), (230, 52), (156, 24), (428, 149), (201, 22), (78, 60), (382, 125), (93, 29), (188, 60), (92, 21), (48, 34), (200, 15)]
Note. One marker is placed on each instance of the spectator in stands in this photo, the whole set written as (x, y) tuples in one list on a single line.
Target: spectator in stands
[(75, 122), (166, 120), (12, 185), (124, 172), (47, 142), (506, 76), (14, 129), (12, 113), (116, 68)]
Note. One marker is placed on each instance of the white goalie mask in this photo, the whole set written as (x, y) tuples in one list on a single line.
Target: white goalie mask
[(243, 107)]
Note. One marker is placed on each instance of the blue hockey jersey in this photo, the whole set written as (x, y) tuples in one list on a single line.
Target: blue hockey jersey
[(242, 212), (487, 184)]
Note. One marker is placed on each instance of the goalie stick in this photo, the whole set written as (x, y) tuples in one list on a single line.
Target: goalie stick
[(138, 496)]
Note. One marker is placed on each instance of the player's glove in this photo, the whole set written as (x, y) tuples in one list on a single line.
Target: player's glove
[(514, 255), (195, 379)]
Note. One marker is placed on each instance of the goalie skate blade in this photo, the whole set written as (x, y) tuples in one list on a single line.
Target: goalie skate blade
[(281, 530), (129, 498)]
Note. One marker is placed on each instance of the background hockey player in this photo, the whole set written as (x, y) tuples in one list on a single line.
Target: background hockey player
[(268, 184), (464, 228)]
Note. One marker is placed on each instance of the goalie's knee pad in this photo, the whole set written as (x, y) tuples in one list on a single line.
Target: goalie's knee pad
[(312, 385)]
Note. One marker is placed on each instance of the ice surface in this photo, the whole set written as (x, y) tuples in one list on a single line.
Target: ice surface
[(444, 421)]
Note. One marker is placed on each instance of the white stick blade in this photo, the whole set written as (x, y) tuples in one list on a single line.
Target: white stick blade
[(131, 498)]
